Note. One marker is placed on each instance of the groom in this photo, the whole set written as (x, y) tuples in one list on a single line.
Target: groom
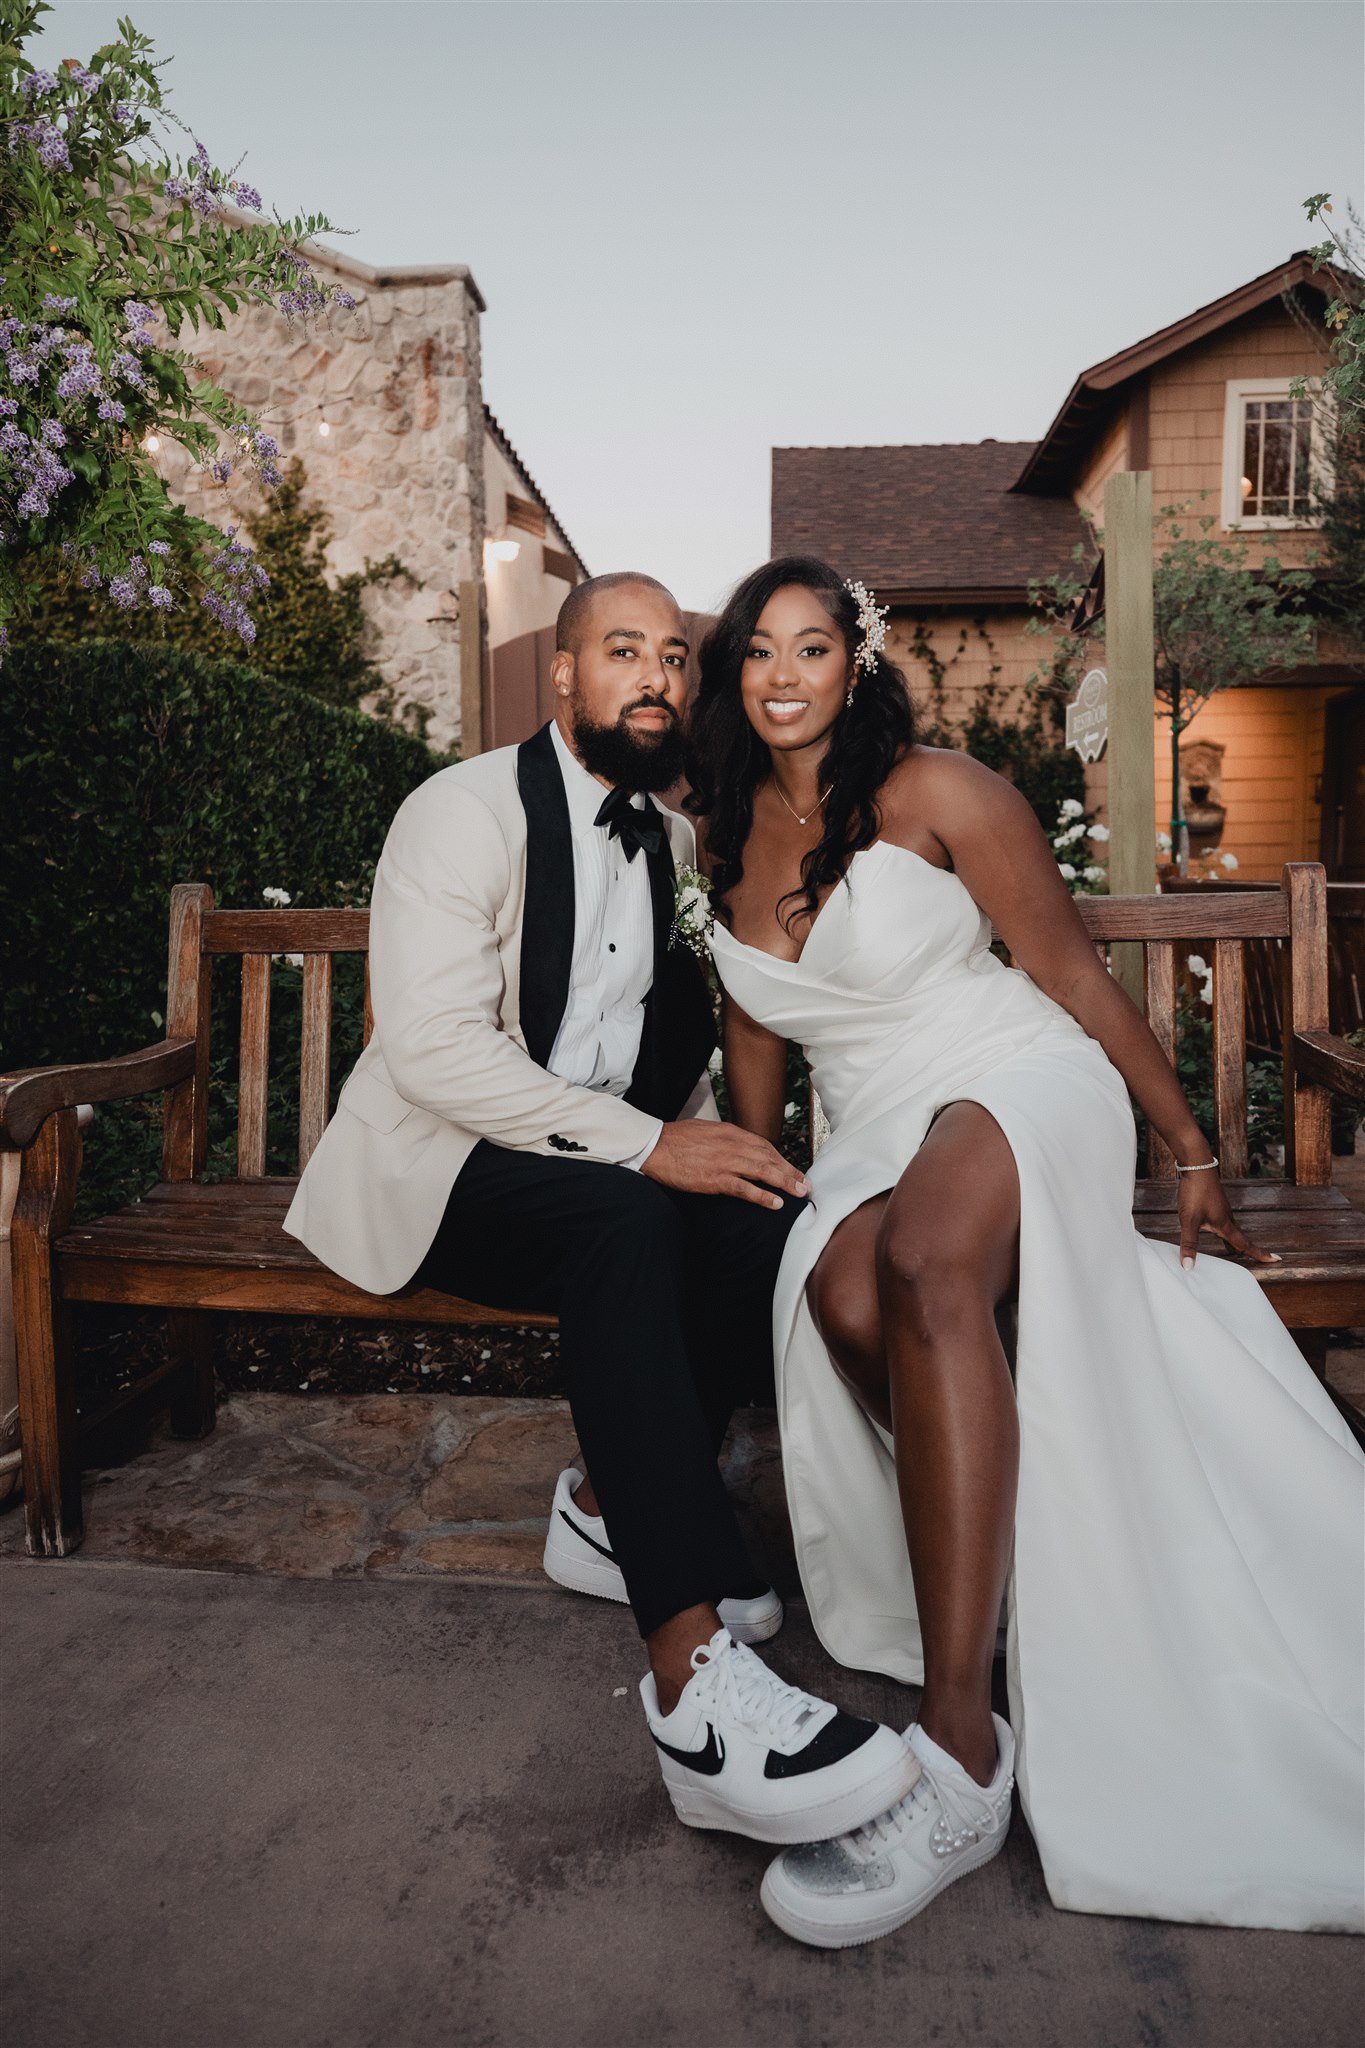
[(531, 1126)]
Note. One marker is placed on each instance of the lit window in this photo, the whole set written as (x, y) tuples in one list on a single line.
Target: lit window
[(1271, 455)]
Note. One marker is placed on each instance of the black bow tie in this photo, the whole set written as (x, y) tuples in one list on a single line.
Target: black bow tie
[(634, 828)]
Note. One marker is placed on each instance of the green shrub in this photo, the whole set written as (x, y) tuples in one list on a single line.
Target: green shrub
[(133, 767)]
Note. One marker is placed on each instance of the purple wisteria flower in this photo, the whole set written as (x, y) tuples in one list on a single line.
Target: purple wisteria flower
[(346, 300), (88, 81), (221, 470), (53, 433), (81, 376), (47, 138), (37, 469), (124, 592), (110, 409), (8, 408), (125, 113), (176, 187), (126, 366), (38, 82), (158, 595), (53, 302), (231, 613), (158, 547), (246, 195), (23, 369), (140, 318), (90, 578)]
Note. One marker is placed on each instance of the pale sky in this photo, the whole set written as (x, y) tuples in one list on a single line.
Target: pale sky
[(708, 227)]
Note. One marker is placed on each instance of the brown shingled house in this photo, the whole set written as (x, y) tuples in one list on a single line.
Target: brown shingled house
[(951, 535)]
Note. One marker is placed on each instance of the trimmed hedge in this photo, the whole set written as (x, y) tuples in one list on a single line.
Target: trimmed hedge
[(135, 766)]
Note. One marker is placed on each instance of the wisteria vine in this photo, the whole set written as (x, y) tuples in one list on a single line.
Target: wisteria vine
[(112, 245)]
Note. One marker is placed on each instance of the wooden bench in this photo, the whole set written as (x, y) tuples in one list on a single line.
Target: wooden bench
[(193, 1247)]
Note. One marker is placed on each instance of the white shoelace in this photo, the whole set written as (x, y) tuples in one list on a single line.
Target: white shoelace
[(968, 1809), (741, 1686)]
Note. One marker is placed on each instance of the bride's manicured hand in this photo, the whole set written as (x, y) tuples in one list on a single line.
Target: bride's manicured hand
[(721, 1159), (1204, 1206)]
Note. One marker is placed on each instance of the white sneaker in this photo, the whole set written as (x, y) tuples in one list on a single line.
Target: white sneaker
[(746, 1752), (578, 1555), (836, 1894)]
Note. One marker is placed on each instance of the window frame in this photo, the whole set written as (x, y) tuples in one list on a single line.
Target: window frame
[(1238, 391)]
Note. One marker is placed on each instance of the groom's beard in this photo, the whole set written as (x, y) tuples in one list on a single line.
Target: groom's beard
[(628, 759)]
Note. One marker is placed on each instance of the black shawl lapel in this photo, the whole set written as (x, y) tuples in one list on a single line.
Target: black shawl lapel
[(678, 1032), (662, 894), (547, 923)]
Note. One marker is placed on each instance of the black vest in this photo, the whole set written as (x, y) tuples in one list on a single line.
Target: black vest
[(679, 1032)]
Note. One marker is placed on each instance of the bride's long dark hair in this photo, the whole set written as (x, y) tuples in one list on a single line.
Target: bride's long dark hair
[(727, 760)]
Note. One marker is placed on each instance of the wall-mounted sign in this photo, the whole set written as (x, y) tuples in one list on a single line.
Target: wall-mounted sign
[(1087, 716)]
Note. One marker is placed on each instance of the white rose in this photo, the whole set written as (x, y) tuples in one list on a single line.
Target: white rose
[(1071, 808), (690, 901), (1198, 964), (1099, 833), (1163, 842), (1093, 874), (1230, 861), (1066, 871), (280, 898)]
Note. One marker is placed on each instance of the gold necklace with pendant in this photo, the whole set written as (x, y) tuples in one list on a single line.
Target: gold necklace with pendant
[(796, 814)]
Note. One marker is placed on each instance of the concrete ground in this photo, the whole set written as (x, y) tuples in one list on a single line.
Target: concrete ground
[(301, 1751), (251, 1811)]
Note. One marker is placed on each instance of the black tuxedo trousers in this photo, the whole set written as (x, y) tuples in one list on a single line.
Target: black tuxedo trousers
[(664, 1302)]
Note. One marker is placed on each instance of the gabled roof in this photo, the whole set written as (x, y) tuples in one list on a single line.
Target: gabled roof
[(499, 434), (927, 522), (1050, 463)]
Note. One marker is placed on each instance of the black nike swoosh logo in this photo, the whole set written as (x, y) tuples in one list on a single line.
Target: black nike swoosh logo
[(584, 1537), (707, 1760)]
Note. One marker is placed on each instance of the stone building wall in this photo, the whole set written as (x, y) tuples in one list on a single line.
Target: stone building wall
[(400, 468)]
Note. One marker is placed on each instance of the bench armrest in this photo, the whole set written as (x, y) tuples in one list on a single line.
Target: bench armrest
[(27, 1099), (1322, 1057)]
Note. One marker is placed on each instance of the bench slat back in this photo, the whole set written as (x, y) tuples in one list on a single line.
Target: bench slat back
[(255, 1065), (315, 1059), (1159, 984), (1230, 1055), (1222, 922)]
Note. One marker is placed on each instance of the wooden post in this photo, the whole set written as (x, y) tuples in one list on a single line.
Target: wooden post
[(471, 670), (48, 1427), (1132, 702)]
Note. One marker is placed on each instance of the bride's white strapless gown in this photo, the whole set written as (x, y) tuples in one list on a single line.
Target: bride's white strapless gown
[(1186, 1642)]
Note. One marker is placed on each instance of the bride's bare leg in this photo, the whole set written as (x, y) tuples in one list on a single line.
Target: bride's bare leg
[(947, 1255), (904, 1297), (842, 1295)]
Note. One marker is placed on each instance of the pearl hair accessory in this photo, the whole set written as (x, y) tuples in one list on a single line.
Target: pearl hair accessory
[(872, 624)]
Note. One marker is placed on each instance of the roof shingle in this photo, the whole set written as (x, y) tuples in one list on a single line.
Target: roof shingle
[(936, 518)]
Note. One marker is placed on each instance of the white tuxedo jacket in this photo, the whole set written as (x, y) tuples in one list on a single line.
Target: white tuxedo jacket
[(471, 943)]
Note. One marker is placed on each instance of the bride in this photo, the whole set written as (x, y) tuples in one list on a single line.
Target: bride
[(1164, 1495)]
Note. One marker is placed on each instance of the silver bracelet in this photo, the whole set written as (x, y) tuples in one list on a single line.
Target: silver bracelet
[(1205, 1166)]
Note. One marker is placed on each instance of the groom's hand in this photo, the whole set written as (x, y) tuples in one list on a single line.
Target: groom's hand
[(706, 1158)]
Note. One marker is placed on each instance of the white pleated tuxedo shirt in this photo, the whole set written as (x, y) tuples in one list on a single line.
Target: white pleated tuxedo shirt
[(598, 1041)]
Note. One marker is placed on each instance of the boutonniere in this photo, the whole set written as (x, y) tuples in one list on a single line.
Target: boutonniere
[(693, 916)]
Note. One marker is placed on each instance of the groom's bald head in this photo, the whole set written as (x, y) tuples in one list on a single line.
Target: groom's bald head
[(577, 615)]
